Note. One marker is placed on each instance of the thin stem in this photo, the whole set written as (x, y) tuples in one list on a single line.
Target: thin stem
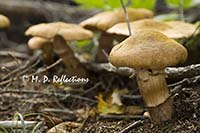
[(181, 4), (127, 18)]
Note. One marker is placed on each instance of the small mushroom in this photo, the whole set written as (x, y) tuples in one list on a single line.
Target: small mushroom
[(172, 29), (107, 19), (68, 32), (150, 52), (36, 43), (4, 21)]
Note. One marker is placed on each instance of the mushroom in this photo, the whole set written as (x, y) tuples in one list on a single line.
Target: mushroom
[(37, 43), (68, 32), (49, 30), (4, 21), (107, 19), (172, 29), (150, 52)]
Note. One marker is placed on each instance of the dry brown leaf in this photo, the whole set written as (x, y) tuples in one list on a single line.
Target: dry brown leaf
[(64, 127)]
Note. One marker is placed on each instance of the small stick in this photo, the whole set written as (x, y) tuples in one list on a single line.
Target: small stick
[(66, 111), (183, 83), (119, 117), (132, 97), (14, 54), (46, 68), (49, 94), (26, 64), (177, 73), (92, 88), (127, 18), (181, 10), (132, 126), (17, 124), (38, 72)]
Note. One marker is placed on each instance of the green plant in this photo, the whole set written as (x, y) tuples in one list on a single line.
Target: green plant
[(149, 4)]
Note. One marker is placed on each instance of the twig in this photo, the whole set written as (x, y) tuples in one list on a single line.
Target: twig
[(126, 16), (181, 4), (47, 68), (106, 54), (62, 95), (26, 64), (15, 59), (172, 72), (132, 126), (14, 54), (9, 65), (38, 72), (66, 111), (119, 117), (132, 96), (124, 71), (17, 124), (80, 129), (184, 83), (92, 88)]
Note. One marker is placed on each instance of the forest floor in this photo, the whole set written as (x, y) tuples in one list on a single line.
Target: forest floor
[(27, 98)]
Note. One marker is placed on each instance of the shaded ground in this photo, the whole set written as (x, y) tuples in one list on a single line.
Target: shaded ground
[(29, 98)]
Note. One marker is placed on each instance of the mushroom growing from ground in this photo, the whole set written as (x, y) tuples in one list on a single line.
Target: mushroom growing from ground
[(150, 52), (4, 21), (37, 43), (69, 32), (107, 19), (172, 29)]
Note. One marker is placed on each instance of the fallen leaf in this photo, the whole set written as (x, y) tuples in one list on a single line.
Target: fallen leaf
[(116, 96), (64, 127), (107, 107)]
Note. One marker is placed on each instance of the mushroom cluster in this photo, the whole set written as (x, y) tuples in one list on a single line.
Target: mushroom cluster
[(105, 20), (52, 37), (150, 52)]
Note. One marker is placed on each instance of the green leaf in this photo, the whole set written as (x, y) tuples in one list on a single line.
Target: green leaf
[(111, 4), (176, 3)]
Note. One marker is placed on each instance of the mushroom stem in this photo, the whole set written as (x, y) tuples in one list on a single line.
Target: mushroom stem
[(105, 43), (47, 53), (72, 64), (156, 95)]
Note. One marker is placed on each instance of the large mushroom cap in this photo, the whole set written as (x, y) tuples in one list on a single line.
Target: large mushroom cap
[(180, 29), (37, 43), (148, 49), (105, 20), (49, 30), (172, 29), (4, 21)]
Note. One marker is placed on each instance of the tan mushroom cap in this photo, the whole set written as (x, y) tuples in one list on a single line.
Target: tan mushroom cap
[(75, 34), (49, 30), (4, 21), (36, 43), (172, 29), (149, 50), (105, 20)]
